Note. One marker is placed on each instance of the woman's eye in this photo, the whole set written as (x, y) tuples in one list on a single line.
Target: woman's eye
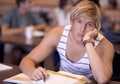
[(79, 21), (90, 25)]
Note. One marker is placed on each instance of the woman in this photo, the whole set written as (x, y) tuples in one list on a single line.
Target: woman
[(62, 13), (82, 49)]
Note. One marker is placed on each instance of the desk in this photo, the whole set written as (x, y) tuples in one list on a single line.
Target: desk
[(9, 73), (20, 40), (16, 70)]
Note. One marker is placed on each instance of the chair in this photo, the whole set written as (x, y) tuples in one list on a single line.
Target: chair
[(1, 49), (1, 52), (116, 67)]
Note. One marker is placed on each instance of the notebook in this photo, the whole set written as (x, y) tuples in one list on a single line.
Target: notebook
[(60, 77)]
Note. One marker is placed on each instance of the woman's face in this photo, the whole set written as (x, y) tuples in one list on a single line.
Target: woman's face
[(81, 26), (27, 5)]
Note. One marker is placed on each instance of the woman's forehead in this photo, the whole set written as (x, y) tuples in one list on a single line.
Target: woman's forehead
[(86, 17)]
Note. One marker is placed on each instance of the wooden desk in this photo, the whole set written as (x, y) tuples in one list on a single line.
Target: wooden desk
[(21, 40), (9, 73), (16, 70)]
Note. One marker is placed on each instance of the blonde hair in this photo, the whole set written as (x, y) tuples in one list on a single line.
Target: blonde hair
[(88, 8)]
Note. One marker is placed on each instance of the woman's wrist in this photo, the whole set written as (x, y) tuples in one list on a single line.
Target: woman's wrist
[(88, 41), (30, 72)]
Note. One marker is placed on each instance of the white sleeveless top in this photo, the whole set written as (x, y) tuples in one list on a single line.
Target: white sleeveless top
[(82, 67)]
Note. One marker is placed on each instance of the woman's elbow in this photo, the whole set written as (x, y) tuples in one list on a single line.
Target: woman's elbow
[(104, 79)]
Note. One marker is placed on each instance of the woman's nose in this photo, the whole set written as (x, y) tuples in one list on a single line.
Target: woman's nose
[(83, 28)]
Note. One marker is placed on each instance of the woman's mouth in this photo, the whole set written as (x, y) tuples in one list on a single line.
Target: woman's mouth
[(80, 35)]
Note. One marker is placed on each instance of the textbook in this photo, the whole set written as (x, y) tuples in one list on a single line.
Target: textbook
[(60, 77)]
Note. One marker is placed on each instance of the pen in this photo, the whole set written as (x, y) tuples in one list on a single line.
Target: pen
[(44, 79)]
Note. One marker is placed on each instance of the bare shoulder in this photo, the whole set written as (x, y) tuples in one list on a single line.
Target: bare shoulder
[(54, 35), (107, 44), (57, 30), (105, 48)]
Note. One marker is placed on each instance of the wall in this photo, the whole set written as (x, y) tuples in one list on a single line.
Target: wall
[(9, 3)]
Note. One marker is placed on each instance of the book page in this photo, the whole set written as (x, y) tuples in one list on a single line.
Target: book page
[(4, 67), (63, 77), (20, 79), (54, 78)]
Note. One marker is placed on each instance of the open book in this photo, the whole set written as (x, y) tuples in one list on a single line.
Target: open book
[(60, 77)]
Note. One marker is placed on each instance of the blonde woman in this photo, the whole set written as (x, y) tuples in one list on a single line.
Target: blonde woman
[(82, 49)]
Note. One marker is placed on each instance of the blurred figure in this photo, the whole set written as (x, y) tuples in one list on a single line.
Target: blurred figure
[(16, 19), (44, 12), (111, 22), (103, 3), (62, 12)]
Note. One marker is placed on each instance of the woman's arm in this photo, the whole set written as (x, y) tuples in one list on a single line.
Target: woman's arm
[(38, 54), (101, 60), (12, 31)]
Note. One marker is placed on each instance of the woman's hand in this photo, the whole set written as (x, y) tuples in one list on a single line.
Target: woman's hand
[(38, 74), (91, 35)]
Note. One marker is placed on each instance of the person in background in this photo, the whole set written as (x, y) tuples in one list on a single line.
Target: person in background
[(110, 21), (16, 19), (82, 48), (62, 12)]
